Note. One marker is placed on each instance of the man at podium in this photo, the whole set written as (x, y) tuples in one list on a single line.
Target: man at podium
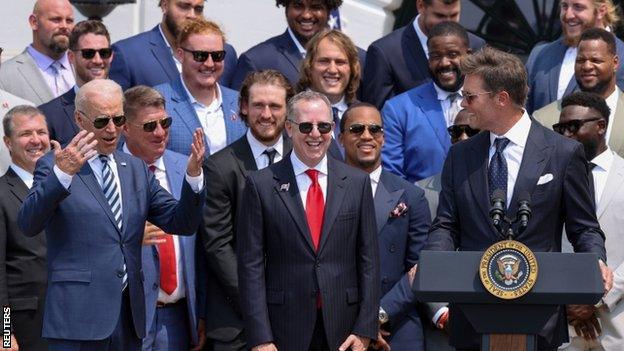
[(520, 159)]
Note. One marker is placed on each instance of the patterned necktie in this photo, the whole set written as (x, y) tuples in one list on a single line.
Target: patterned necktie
[(315, 207), (60, 85), (454, 107), (167, 259), (497, 172), (270, 153), (113, 197)]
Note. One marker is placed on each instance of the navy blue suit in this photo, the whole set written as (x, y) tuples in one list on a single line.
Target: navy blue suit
[(397, 63), (59, 114), (145, 59), (86, 249), (415, 132), (185, 120), (463, 222), (400, 241), (543, 67), (279, 53)]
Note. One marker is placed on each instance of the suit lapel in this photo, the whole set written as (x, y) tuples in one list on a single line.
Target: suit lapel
[(386, 198), (417, 57), (432, 110), (182, 106), (162, 54), (478, 177), (335, 194), (17, 186), (553, 74), (288, 48), (616, 139), (230, 116), (175, 174), (88, 178), (243, 155), (612, 186), (33, 77), (67, 100)]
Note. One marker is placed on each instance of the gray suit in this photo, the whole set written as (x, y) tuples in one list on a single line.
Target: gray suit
[(549, 115), (7, 102), (20, 76)]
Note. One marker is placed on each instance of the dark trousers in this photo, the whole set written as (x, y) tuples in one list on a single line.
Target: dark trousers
[(170, 329), (319, 339)]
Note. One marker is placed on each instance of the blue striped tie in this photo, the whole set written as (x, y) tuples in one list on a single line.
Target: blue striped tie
[(111, 192)]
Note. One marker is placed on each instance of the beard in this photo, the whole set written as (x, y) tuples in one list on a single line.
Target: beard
[(172, 27), (59, 43), (600, 88), (452, 88), (572, 41)]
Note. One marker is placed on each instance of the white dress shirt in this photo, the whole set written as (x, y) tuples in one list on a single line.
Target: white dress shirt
[(422, 38), (612, 101), (211, 119), (566, 73), (517, 135), (445, 102), (257, 149), (66, 78), (600, 173), (304, 181), (374, 177), (300, 47), (175, 58), (23, 174)]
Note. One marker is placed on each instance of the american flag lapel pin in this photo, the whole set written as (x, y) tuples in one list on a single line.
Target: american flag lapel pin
[(285, 187)]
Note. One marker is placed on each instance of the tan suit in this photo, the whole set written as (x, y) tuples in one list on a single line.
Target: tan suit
[(549, 115)]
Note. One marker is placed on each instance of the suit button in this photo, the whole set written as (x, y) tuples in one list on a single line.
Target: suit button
[(120, 274), (392, 248), (317, 264)]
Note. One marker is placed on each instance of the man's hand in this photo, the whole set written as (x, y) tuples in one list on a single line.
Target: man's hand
[(79, 150), (201, 333), (588, 329), (153, 235), (607, 276), (580, 312), (196, 159), (443, 320), (265, 347), (355, 343), (14, 345), (412, 274), (381, 343)]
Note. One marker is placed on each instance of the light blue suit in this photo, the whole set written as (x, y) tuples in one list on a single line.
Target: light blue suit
[(185, 120), (415, 131)]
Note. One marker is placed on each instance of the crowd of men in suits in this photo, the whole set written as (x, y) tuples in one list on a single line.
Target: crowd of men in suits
[(167, 194)]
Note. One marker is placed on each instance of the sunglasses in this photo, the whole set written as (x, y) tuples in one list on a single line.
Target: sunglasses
[(202, 56), (151, 125), (358, 128), (102, 121), (456, 131), (573, 126), (470, 97), (88, 54), (306, 127)]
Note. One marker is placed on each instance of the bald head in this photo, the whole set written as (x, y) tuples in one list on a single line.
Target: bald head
[(51, 22), (105, 89)]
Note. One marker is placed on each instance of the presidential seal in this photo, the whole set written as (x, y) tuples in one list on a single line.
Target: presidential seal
[(508, 269)]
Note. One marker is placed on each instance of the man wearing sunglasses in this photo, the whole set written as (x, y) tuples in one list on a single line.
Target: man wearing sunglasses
[(195, 99), (416, 121), (149, 58), (168, 261), (403, 220), (307, 248), (595, 71), (584, 118), (90, 55), (93, 201)]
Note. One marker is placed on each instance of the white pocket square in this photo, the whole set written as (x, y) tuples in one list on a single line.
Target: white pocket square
[(545, 179)]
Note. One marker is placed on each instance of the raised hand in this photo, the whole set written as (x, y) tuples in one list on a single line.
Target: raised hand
[(196, 159), (355, 343), (153, 235), (79, 150)]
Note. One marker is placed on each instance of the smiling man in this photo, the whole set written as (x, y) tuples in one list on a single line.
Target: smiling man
[(427, 110)]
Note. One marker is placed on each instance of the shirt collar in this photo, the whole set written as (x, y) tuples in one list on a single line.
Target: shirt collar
[(23, 174), (300, 47), (159, 163), (341, 105), (44, 61), (421, 36), (604, 160), (163, 36), (443, 94), (299, 167), (518, 134), (376, 174), (192, 99), (612, 100), (257, 148)]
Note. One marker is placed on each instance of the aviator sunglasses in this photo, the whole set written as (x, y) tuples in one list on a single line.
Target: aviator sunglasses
[(88, 54), (572, 126), (306, 127), (102, 121), (456, 130), (358, 128), (202, 56), (151, 125)]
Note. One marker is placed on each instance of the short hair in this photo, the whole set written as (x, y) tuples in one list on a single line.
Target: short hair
[(97, 87), (199, 26), (449, 28), (19, 110), (307, 95), (612, 15), (349, 112), (600, 34), (331, 4), (345, 43), (445, 2), (139, 97), (85, 27), (265, 77), (499, 71), (590, 100)]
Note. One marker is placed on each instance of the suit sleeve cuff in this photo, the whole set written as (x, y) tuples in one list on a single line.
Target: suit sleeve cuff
[(439, 314)]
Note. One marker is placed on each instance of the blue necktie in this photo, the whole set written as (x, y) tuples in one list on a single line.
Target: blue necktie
[(497, 172)]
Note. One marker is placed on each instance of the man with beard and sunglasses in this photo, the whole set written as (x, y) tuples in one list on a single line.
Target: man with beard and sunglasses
[(149, 58), (90, 55), (168, 261), (585, 118), (415, 122), (43, 71), (595, 71), (195, 98), (307, 250)]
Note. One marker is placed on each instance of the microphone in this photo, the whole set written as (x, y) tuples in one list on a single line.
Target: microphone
[(524, 211), (497, 212)]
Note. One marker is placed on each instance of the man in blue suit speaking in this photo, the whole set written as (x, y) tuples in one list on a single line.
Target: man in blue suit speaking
[(93, 201)]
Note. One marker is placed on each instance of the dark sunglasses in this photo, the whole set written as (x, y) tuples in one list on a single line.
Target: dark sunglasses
[(102, 121), (306, 127), (151, 125), (202, 56), (572, 126), (470, 97), (456, 130), (88, 54), (358, 128)]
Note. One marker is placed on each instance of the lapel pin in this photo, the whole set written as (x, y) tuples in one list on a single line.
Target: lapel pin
[(233, 117), (123, 164), (5, 104), (285, 187)]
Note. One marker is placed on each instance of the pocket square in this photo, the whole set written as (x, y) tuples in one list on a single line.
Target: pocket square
[(399, 210), (545, 179)]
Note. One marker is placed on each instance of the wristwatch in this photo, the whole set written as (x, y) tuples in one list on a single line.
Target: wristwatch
[(383, 316)]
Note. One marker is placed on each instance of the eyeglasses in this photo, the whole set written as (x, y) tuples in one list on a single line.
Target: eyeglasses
[(573, 125), (306, 127), (470, 97), (202, 56), (88, 54), (456, 131), (151, 125), (358, 128), (102, 121)]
